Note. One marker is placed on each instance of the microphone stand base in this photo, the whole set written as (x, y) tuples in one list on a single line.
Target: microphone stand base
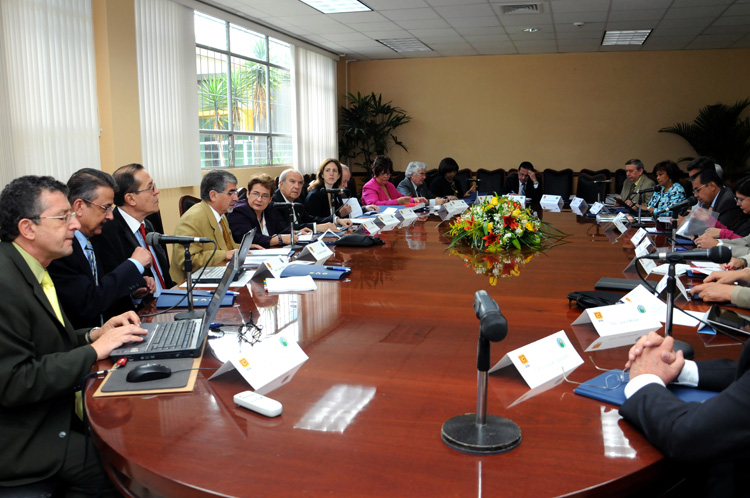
[(189, 315), (687, 349), (497, 435)]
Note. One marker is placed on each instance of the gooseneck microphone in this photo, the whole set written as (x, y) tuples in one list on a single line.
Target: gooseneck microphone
[(717, 254), (342, 191), (286, 204), (676, 208), (154, 238), (647, 190)]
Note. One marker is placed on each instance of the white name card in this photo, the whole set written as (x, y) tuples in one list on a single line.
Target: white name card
[(621, 222), (371, 227), (521, 199), (387, 221), (407, 216), (553, 203), (617, 324), (542, 360), (451, 209), (271, 267), (317, 252), (596, 208), (579, 206)]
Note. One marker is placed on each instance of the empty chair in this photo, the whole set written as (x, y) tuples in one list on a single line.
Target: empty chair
[(490, 181), (588, 190), (559, 183), (619, 180)]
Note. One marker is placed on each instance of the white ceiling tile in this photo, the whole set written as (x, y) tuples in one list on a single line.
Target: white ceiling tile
[(487, 30), (474, 22), (410, 14), (696, 22), (581, 17), (526, 20), (738, 10), (531, 37), (381, 5), (487, 38), (571, 6), (423, 24), (699, 3), (589, 27), (631, 25), (346, 37), (637, 15), (374, 26), (358, 17), (497, 50), (740, 29), (450, 46), (693, 12), (640, 4), (733, 21), (383, 35), (433, 33), (471, 10)]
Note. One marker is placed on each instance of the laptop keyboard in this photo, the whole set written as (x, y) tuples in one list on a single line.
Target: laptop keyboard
[(173, 335)]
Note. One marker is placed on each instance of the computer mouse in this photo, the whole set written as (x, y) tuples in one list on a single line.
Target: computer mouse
[(149, 371)]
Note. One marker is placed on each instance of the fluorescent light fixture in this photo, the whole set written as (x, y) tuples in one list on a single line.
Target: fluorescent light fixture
[(405, 45), (337, 6), (627, 37), (530, 30)]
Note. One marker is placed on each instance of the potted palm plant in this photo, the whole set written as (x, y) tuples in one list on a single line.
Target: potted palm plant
[(367, 129), (719, 132)]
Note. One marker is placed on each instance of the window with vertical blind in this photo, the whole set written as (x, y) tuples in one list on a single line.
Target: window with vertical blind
[(245, 94)]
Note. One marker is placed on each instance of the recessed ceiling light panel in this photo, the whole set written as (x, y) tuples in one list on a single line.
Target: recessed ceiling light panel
[(337, 6), (405, 45), (627, 37)]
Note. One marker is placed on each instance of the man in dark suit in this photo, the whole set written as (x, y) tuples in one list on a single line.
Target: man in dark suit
[(43, 357), (136, 197), (714, 434), (525, 183), (413, 184), (290, 187), (710, 191), (87, 294)]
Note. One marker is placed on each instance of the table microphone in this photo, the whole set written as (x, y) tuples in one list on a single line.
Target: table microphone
[(676, 208), (286, 204), (717, 254), (647, 190), (479, 433), (154, 238), (342, 191)]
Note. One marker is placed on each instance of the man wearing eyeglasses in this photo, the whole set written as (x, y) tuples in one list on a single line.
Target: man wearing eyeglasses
[(43, 357), (136, 197), (87, 294), (710, 191), (207, 219)]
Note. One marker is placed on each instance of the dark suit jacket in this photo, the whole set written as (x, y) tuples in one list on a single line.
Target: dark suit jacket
[(83, 300), (441, 188), (406, 187), (116, 244), (730, 214), (41, 363), (316, 203), (304, 218), (243, 218), (714, 432), (511, 187)]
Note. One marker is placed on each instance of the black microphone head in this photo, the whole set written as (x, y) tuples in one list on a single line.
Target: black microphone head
[(152, 238), (720, 254), (483, 303), (494, 327)]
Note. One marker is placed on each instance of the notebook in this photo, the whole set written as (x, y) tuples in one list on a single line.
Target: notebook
[(213, 274), (178, 339)]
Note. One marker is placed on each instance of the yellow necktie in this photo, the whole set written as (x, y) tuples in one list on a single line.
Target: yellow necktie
[(49, 289), (226, 233)]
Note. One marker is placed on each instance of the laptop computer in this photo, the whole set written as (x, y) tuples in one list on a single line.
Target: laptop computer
[(213, 274), (178, 339)]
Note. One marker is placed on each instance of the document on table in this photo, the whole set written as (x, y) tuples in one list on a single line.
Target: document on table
[(290, 284)]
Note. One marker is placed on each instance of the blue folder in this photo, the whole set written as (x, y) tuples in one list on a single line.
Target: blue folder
[(170, 297), (617, 396), (320, 272)]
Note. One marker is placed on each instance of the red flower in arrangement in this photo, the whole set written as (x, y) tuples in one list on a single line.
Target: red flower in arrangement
[(510, 222), (490, 239)]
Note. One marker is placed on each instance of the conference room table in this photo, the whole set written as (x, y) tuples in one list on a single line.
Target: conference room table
[(392, 355)]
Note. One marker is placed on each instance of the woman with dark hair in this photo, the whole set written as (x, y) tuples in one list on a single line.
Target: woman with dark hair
[(445, 184), (320, 203), (669, 192), (272, 229), (380, 191)]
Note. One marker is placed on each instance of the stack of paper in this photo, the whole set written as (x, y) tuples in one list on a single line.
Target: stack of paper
[(290, 284)]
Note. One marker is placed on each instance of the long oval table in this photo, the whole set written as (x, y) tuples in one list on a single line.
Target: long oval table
[(392, 356)]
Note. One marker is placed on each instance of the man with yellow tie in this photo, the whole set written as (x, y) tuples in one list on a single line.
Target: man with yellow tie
[(207, 219), (42, 358)]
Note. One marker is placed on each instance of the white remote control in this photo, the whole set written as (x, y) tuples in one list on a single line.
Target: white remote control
[(258, 403)]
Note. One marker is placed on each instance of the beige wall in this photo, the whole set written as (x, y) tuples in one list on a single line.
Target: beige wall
[(557, 111)]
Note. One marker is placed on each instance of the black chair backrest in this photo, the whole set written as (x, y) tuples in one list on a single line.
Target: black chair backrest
[(588, 190), (619, 180), (558, 183), (462, 177), (491, 181), (185, 203), (396, 177)]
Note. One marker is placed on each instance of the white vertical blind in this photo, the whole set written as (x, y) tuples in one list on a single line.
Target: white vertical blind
[(167, 80), (315, 91), (49, 120)]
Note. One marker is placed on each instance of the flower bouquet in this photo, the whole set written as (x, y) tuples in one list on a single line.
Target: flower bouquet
[(497, 224)]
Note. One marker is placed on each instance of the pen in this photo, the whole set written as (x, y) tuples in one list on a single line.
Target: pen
[(232, 293), (337, 268)]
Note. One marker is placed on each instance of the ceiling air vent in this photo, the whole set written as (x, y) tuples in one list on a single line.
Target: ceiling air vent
[(514, 9)]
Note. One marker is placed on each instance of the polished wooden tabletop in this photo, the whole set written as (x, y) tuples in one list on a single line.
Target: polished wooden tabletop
[(392, 356)]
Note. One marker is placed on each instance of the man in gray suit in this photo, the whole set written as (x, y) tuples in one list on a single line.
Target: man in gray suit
[(414, 183), (43, 359), (636, 180)]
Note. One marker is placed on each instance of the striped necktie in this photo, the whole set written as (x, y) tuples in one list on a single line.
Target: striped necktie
[(89, 250), (226, 233)]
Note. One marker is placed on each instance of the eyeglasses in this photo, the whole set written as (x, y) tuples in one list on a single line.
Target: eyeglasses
[(697, 190), (231, 193), (152, 188), (106, 209), (611, 382), (740, 201), (64, 217), (258, 195)]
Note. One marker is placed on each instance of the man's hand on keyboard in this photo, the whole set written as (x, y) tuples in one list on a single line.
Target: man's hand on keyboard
[(117, 331)]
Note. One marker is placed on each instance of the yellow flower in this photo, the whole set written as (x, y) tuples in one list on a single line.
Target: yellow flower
[(489, 227), (494, 201), (529, 226), (516, 213)]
